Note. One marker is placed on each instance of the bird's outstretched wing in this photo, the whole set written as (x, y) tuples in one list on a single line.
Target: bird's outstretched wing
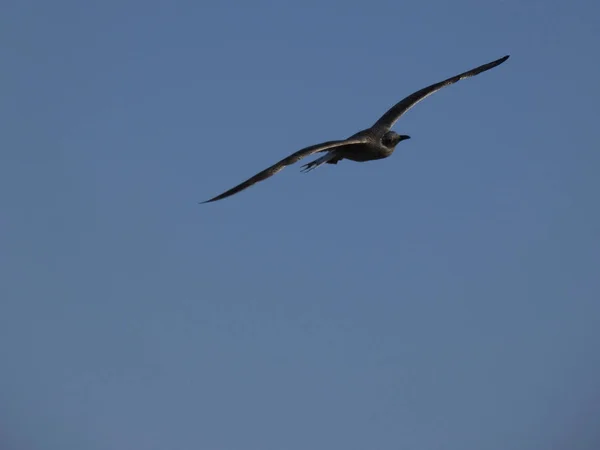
[(393, 114), (293, 158)]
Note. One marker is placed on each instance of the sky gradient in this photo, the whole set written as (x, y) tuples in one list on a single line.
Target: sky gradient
[(444, 298)]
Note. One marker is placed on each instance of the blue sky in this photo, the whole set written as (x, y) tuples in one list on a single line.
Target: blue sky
[(444, 298)]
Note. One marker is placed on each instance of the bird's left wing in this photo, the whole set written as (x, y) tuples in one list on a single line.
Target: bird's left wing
[(393, 114), (293, 158)]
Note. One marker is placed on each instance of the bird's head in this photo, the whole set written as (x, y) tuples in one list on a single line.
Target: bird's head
[(391, 139)]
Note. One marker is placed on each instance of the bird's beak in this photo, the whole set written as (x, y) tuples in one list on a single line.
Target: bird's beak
[(404, 137)]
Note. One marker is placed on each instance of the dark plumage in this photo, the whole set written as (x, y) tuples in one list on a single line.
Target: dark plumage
[(376, 142)]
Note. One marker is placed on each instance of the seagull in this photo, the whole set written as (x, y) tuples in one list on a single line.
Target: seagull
[(376, 142)]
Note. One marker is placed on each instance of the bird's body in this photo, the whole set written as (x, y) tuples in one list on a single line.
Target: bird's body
[(376, 142), (370, 150)]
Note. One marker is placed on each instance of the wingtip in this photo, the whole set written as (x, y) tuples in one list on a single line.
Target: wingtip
[(496, 62), (214, 199)]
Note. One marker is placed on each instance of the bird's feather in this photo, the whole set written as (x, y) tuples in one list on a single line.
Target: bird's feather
[(293, 158), (395, 112)]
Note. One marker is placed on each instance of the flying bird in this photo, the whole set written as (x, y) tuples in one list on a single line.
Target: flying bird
[(376, 142)]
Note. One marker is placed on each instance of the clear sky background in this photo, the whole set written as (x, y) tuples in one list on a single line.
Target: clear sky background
[(445, 298)]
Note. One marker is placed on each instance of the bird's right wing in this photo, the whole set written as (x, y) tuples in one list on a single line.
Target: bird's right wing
[(293, 158), (393, 114)]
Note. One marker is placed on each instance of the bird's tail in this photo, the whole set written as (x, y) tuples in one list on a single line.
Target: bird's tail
[(319, 161)]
